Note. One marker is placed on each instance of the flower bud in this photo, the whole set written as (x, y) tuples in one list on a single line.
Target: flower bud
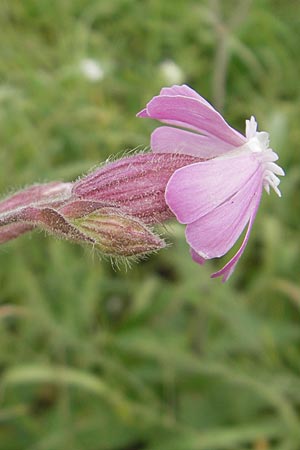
[(107, 228), (14, 230), (54, 193), (47, 218), (48, 192), (115, 233)]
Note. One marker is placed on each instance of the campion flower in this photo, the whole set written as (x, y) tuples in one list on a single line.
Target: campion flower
[(217, 198)]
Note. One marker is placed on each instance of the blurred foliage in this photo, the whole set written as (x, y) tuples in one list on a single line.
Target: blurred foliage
[(157, 357)]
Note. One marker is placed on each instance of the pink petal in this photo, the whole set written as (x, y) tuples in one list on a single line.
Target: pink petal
[(143, 113), (214, 234), (192, 113), (175, 90), (185, 91), (197, 258), (228, 269), (199, 188), (175, 140)]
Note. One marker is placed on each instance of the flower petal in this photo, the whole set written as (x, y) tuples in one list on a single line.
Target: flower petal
[(175, 140), (228, 269), (214, 234), (199, 188), (176, 90), (197, 258), (192, 113), (185, 91)]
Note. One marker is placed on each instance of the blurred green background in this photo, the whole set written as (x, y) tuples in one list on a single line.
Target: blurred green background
[(159, 356)]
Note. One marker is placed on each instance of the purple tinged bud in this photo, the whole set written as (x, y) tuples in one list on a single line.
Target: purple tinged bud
[(54, 222), (115, 233), (48, 192), (107, 228), (14, 230), (47, 218), (54, 193), (135, 183)]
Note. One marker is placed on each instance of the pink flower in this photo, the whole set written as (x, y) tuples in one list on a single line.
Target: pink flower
[(216, 198)]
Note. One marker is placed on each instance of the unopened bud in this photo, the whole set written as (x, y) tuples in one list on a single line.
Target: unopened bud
[(117, 234), (47, 218), (54, 194), (107, 228), (14, 230), (48, 192)]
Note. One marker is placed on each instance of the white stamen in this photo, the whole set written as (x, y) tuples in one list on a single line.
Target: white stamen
[(258, 143)]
